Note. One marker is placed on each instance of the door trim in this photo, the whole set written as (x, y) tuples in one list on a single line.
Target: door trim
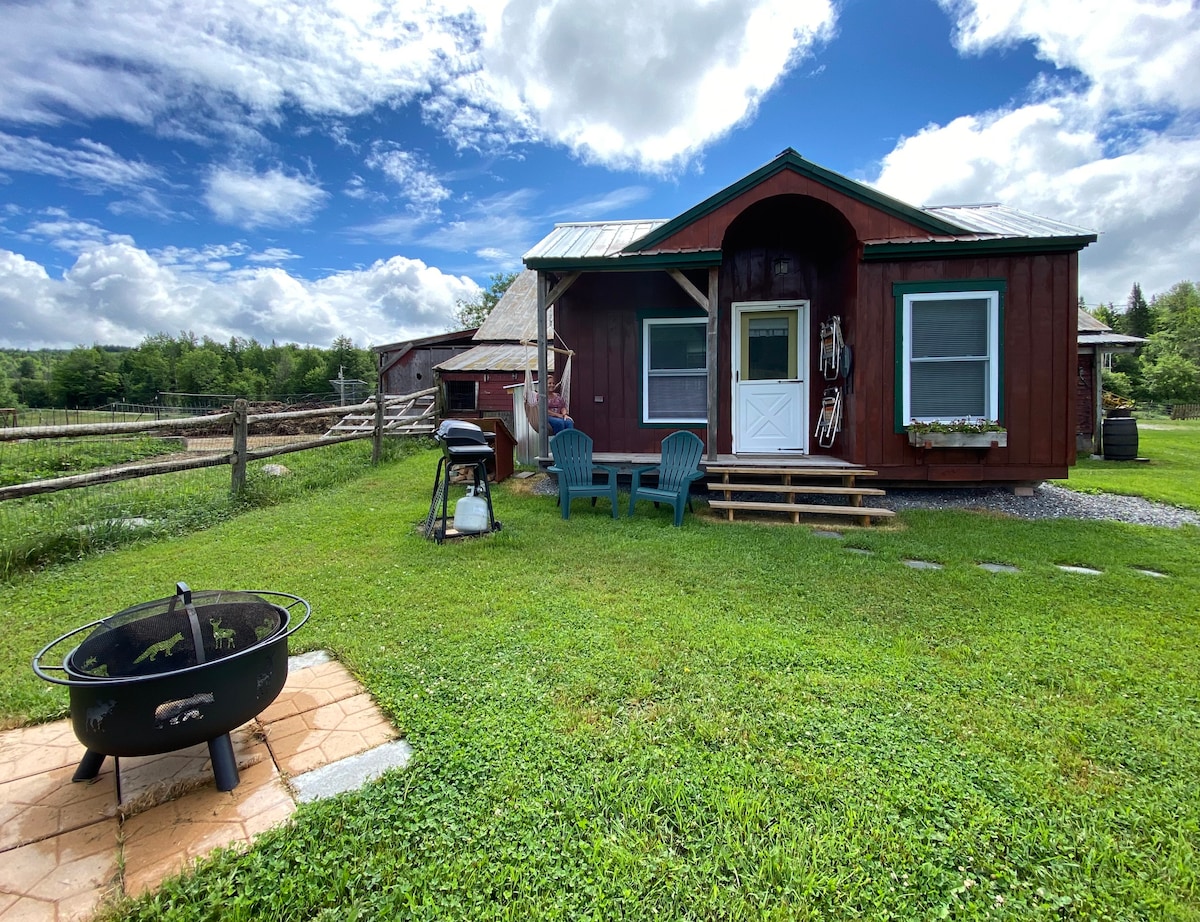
[(802, 308)]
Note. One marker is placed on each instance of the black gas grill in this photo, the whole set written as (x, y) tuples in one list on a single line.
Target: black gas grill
[(465, 447)]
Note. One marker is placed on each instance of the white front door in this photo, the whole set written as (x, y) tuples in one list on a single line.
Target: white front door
[(770, 377)]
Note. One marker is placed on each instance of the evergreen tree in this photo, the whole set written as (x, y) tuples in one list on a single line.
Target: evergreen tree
[(1138, 320)]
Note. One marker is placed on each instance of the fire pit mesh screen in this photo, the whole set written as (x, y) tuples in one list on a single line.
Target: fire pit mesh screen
[(163, 636)]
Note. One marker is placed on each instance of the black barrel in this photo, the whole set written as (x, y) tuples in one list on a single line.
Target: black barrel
[(1120, 439)]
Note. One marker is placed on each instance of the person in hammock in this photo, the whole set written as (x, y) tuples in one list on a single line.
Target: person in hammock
[(556, 407)]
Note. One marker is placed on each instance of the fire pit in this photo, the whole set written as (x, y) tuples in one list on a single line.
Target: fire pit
[(175, 672)]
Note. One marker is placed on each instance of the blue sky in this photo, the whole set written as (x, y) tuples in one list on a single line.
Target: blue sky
[(298, 171)]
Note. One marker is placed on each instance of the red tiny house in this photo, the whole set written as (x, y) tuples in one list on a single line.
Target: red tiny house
[(743, 282)]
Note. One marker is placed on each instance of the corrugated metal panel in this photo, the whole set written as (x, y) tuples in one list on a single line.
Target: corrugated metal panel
[(494, 357), (1090, 324), (1003, 221), (590, 239), (1109, 339), (514, 318)]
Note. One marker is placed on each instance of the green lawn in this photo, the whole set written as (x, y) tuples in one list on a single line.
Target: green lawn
[(623, 720), (1169, 475)]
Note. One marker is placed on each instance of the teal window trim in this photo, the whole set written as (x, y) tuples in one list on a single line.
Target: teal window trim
[(938, 286), (667, 314)]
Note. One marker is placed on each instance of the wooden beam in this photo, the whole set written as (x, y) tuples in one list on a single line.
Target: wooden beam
[(561, 288), (692, 291), (543, 302), (711, 343)]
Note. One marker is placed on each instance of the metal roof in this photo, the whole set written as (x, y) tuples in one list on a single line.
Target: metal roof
[(494, 357), (600, 240), (590, 239), (996, 220), (514, 318), (1095, 332), (1090, 324)]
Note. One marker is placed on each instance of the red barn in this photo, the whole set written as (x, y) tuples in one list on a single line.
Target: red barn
[(801, 318)]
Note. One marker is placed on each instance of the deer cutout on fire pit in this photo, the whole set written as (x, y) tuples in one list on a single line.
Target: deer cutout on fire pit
[(222, 636), (166, 647)]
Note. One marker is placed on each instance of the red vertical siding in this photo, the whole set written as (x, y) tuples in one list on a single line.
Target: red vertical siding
[(1038, 335)]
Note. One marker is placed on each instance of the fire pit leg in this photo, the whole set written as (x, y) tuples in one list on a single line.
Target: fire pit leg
[(224, 764), (89, 766)]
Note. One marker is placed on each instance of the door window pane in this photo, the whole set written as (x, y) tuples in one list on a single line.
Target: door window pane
[(769, 348)]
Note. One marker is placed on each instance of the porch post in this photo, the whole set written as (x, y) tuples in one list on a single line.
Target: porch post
[(714, 389), (543, 285)]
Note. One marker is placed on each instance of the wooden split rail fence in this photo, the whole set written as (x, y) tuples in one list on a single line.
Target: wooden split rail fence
[(407, 414)]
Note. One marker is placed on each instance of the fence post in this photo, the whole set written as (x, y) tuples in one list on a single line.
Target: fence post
[(237, 460), (377, 440)]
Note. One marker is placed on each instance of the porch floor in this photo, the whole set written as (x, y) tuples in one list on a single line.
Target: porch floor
[(625, 462), (792, 485)]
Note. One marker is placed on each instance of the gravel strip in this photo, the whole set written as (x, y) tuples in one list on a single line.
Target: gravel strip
[(1048, 502)]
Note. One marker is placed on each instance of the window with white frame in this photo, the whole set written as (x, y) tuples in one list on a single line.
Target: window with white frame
[(951, 356), (674, 370)]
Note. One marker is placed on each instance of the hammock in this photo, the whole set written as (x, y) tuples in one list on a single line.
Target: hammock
[(531, 392)]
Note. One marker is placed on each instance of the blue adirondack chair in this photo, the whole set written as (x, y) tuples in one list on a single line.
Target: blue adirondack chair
[(572, 453), (678, 470)]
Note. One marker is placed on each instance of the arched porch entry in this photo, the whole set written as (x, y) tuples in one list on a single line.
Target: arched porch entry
[(788, 264)]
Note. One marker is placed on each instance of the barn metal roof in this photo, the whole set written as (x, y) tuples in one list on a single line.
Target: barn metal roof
[(514, 318), (995, 220), (495, 357), (1095, 332)]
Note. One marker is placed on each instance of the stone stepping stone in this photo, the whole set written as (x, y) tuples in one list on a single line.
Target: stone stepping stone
[(820, 533), (1066, 568), (861, 550), (922, 564), (998, 568), (1153, 573)]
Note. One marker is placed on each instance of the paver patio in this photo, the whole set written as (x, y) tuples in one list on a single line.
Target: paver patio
[(66, 847)]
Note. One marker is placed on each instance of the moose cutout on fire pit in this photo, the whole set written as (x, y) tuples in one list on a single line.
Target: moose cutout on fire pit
[(149, 679)]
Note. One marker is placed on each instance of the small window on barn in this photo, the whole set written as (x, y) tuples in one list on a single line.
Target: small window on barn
[(950, 348), (674, 370), (461, 396)]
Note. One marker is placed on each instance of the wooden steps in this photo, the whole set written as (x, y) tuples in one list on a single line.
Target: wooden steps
[(780, 485)]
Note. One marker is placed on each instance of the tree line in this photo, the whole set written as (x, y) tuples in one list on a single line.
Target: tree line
[(1166, 369), (87, 377)]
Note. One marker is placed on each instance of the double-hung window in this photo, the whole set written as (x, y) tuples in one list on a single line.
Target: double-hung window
[(949, 353), (674, 370)]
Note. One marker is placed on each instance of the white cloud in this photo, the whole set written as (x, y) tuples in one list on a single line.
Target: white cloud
[(409, 171), (612, 81), (118, 294), (1134, 52), (251, 199), (142, 61), (621, 85), (502, 223), (1082, 153), (88, 163)]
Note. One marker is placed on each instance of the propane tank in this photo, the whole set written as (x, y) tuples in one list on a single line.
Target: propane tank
[(471, 513)]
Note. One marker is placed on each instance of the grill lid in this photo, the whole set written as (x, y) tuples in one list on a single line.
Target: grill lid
[(464, 441)]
